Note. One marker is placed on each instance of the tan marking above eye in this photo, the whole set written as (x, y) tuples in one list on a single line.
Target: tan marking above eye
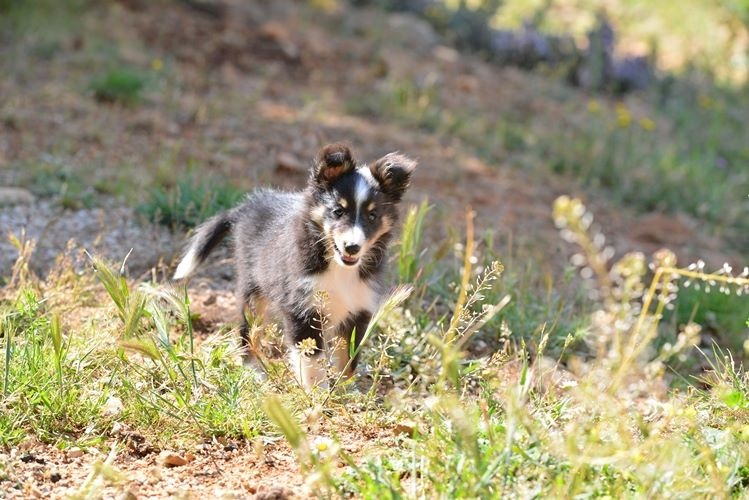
[(343, 203), (371, 206)]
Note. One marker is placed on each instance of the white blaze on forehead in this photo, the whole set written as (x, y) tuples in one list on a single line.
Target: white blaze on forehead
[(365, 183)]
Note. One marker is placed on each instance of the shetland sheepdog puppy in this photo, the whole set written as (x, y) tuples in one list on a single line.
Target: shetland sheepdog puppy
[(312, 259)]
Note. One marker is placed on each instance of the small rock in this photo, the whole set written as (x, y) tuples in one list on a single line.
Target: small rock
[(113, 407), (411, 32), (210, 300), (55, 476), (406, 427), (28, 458), (15, 196), (75, 452), (28, 443), (171, 459), (129, 495), (118, 428), (446, 54), (287, 162), (277, 37), (272, 493)]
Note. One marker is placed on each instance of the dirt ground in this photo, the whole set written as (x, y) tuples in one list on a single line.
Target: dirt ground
[(261, 88), (263, 469)]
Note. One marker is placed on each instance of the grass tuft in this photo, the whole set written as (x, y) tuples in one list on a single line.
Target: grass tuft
[(190, 202), (122, 86)]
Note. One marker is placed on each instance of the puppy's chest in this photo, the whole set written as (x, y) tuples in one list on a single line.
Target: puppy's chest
[(344, 293)]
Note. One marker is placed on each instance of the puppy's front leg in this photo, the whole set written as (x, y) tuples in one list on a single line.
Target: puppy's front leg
[(306, 350), (342, 349)]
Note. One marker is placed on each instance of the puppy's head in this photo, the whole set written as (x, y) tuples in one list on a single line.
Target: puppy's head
[(356, 204)]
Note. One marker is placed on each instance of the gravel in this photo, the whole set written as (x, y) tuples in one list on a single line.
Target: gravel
[(107, 231)]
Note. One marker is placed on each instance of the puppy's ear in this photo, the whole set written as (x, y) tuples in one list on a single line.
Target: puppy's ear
[(393, 173), (333, 161)]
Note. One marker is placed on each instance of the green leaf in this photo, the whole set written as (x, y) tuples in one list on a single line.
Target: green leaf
[(735, 399)]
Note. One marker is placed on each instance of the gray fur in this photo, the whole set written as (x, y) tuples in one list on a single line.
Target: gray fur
[(289, 246)]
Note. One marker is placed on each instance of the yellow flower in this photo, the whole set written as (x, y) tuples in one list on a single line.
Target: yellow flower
[(647, 124), (623, 116), (594, 106), (157, 64)]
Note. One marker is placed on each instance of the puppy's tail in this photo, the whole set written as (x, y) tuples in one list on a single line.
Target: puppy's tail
[(206, 237)]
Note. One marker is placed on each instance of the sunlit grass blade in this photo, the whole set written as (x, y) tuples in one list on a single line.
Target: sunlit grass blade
[(410, 243), (465, 279), (285, 422), (145, 347), (114, 284), (7, 333), (55, 331)]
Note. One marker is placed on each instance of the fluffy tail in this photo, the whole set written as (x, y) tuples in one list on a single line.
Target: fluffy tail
[(206, 237)]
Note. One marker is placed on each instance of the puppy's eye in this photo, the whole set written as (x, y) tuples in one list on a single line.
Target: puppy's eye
[(338, 212), (372, 216)]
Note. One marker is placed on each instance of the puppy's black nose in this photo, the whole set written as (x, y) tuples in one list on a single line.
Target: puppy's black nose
[(352, 249)]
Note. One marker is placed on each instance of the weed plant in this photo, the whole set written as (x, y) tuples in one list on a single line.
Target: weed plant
[(602, 425), (86, 354)]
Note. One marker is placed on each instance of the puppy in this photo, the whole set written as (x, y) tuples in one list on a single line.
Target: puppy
[(315, 258)]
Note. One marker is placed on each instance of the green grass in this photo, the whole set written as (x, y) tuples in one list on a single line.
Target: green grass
[(640, 166), (123, 85), (722, 315), (60, 381), (65, 185), (191, 201), (44, 21), (42, 390), (543, 413)]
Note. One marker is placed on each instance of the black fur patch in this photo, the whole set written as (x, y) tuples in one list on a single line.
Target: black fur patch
[(393, 173), (332, 162)]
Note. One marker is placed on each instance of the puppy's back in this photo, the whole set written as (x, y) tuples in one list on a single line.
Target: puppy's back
[(264, 234)]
